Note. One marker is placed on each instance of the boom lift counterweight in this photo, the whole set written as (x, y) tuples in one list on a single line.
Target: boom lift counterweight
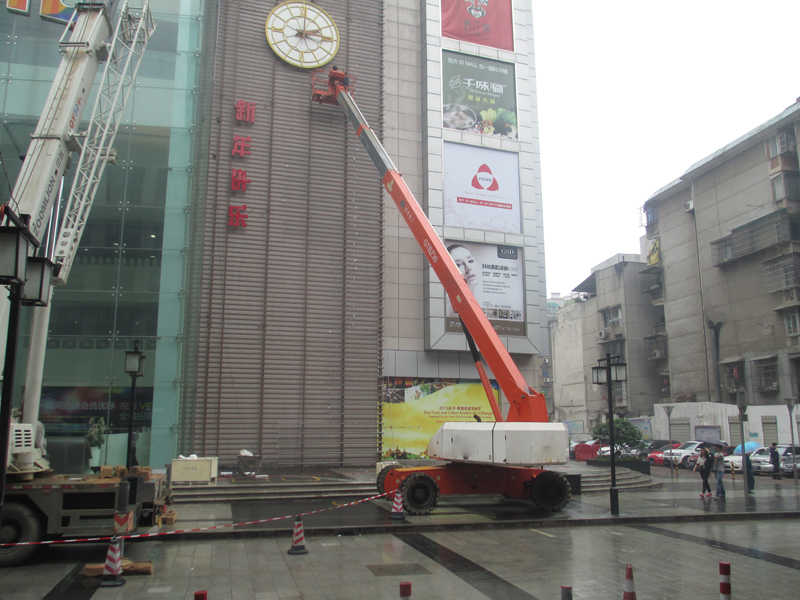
[(486, 457)]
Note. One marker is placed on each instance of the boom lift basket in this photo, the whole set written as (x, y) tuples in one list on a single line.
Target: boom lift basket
[(325, 81)]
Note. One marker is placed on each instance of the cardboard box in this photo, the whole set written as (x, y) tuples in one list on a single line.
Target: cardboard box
[(194, 470)]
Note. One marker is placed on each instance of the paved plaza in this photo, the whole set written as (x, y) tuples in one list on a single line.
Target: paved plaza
[(476, 548)]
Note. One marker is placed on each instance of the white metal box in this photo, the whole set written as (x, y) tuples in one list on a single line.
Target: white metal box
[(202, 469)]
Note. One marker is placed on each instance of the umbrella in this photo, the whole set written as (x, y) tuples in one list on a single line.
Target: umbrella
[(748, 447)]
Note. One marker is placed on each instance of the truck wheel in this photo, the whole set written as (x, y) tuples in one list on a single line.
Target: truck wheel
[(420, 494), (550, 491), (380, 482), (20, 524)]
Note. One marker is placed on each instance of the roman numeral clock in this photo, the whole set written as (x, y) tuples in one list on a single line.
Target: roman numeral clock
[(302, 34)]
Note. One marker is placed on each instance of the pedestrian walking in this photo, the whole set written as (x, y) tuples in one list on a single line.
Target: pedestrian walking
[(751, 479), (775, 459), (719, 469), (704, 464)]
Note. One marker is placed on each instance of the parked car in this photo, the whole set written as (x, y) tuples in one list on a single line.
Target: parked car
[(625, 451), (761, 463), (654, 445), (691, 461), (734, 461), (681, 454), (656, 457)]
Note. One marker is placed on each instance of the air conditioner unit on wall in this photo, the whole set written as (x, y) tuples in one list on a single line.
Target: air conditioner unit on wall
[(657, 353), (601, 334), (547, 380), (688, 206)]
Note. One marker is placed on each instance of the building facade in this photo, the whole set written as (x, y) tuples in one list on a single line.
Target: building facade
[(244, 238), (611, 315)]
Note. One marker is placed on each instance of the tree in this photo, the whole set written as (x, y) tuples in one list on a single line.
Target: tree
[(625, 434)]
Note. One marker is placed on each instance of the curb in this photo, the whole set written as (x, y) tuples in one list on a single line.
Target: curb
[(401, 528)]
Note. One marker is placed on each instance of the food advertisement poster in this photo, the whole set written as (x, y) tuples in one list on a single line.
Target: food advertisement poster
[(414, 409), (484, 22), (480, 95), (496, 277), (481, 188), (67, 410)]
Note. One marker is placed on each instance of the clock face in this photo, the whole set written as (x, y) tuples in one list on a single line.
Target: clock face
[(302, 34)]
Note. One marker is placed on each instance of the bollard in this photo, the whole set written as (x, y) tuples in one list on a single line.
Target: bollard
[(405, 589), (628, 592), (724, 581), (201, 595), (566, 592)]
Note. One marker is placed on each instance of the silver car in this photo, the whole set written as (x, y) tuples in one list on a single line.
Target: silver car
[(762, 464)]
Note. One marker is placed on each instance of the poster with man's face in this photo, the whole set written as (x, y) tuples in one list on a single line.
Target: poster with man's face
[(481, 188), (495, 276), (484, 22)]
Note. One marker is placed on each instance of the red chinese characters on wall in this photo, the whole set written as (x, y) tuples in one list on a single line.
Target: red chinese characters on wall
[(245, 113)]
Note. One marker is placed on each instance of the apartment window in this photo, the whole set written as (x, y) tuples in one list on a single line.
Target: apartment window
[(790, 320), (765, 374), (616, 348), (651, 215), (785, 186), (611, 316), (731, 375), (780, 143), (781, 273)]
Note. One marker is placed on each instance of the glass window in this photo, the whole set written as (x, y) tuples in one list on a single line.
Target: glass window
[(791, 322)]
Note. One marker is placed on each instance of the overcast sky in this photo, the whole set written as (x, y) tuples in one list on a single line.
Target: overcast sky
[(632, 93)]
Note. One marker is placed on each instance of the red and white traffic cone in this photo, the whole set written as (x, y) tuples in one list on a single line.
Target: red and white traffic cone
[(112, 573), (397, 507), (628, 592), (724, 581), (298, 538)]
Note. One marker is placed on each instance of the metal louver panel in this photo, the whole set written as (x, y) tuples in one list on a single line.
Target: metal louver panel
[(285, 348)]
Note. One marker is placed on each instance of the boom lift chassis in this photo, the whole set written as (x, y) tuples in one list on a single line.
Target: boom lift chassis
[(421, 486)]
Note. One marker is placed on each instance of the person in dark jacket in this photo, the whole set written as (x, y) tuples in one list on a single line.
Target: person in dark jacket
[(704, 464), (751, 479), (775, 459)]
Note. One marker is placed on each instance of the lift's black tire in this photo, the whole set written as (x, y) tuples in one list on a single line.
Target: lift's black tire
[(380, 482), (550, 491), (20, 524), (420, 494)]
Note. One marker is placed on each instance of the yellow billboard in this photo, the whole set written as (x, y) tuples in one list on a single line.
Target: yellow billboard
[(414, 409)]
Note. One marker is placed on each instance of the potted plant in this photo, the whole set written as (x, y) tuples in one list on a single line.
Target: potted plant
[(95, 438)]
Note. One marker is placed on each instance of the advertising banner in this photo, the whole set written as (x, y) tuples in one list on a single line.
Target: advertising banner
[(496, 277), (481, 188), (480, 95), (414, 409), (67, 410), (485, 22)]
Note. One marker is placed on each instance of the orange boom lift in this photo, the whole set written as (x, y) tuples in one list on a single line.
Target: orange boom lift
[(483, 458)]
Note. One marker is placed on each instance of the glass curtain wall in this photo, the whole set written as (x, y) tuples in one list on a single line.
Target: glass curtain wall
[(127, 280)]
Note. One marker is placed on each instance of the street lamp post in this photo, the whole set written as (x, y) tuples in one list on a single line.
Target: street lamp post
[(790, 404), (668, 410), (608, 374), (134, 366), (741, 403)]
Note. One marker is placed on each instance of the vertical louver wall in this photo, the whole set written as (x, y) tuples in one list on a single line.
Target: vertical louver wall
[(283, 342)]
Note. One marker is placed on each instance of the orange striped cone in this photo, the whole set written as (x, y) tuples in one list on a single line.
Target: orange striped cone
[(112, 573), (298, 538), (724, 581), (628, 592), (397, 507)]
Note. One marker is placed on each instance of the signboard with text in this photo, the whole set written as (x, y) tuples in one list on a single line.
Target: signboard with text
[(480, 95), (485, 22), (481, 188), (496, 277), (67, 410)]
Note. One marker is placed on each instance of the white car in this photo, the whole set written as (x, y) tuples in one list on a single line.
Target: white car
[(681, 454), (735, 460)]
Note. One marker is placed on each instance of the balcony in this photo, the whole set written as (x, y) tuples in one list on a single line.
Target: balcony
[(765, 232)]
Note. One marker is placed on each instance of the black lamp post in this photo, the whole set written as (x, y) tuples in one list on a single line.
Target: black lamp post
[(608, 374), (741, 404), (27, 279), (790, 404), (134, 366)]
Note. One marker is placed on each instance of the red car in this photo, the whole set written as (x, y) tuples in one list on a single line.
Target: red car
[(656, 457)]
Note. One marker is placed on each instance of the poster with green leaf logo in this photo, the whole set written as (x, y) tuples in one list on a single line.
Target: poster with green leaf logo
[(480, 95)]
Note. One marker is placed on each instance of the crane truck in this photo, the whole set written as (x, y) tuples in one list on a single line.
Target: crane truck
[(36, 504), (505, 457)]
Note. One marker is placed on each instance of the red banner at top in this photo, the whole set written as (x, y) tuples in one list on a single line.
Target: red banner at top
[(484, 22)]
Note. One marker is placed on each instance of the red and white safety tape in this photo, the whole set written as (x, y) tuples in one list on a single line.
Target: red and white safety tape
[(162, 533)]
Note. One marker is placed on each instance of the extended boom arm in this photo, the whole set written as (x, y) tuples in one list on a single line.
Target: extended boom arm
[(526, 404)]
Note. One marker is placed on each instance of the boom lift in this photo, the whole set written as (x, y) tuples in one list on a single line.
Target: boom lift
[(485, 458), (73, 505)]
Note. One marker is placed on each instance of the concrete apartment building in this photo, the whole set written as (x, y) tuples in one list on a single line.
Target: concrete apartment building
[(612, 314), (710, 316)]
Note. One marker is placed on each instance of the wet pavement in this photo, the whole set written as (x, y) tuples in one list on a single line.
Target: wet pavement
[(473, 548)]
